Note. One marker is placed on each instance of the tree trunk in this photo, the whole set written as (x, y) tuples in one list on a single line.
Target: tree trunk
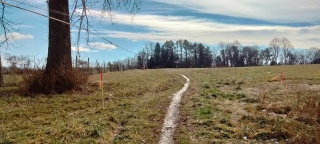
[(1, 77), (58, 76), (181, 59), (318, 120), (76, 62), (59, 50)]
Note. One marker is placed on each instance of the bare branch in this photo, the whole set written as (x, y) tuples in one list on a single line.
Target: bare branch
[(6, 27), (275, 47), (286, 47), (109, 6), (79, 15)]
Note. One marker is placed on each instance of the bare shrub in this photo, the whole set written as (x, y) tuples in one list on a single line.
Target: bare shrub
[(307, 106), (40, 82), (279, 109)]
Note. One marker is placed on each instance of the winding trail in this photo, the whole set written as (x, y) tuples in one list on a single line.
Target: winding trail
[(170, 122)]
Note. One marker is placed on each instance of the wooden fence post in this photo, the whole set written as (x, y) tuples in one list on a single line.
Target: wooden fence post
[(76, 62), (88, 64)]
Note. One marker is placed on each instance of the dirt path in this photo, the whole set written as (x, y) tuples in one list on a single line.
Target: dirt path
[(170, 122)]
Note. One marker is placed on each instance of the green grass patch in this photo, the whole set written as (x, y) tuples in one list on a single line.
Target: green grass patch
[(215, 93)]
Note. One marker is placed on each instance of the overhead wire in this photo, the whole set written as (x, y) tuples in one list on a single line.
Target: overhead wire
[(37, 7), (54, 11)]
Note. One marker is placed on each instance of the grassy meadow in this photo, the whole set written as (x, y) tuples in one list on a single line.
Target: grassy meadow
[(135, 103), (242, 105), (222, 105)]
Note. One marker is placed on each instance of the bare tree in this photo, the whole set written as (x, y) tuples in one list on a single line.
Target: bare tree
[(286, 47), (215, 54), (21, 62), (275, 48), (179, 44), (13, 61), (144, 57), (222, 47), (147, 53), (186, 47), (277, 44), (150, 48), (236, 43), (313, 54), (265, 56), (303, 57)]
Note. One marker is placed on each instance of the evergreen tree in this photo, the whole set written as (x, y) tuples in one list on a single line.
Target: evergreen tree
[(157, 55)]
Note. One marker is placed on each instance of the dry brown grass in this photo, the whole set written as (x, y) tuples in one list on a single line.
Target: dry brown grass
[(268, 112)]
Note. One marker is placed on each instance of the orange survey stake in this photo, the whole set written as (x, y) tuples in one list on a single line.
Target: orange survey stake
[(100, 79), (275, 78), (281, 78)]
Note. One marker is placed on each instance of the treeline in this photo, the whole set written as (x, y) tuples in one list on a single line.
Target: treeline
[(122, 65), (185, 54), (280, 51), (179, 54)]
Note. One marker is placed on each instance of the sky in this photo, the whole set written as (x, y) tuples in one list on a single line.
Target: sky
[(251, 22)]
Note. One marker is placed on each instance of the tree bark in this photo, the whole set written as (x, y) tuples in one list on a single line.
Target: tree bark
[(59, 50), (58, 76), (1, 77), (318, 113)]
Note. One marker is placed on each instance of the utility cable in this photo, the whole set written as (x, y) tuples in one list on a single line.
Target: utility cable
[(54, 11)]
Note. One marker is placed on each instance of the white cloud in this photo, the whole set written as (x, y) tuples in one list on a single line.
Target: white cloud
[(23, 26), (82, 49), (14, 36), (268, 10), (93, 47), (161, 28), (36, 1), (102, 46), (19, 36)]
